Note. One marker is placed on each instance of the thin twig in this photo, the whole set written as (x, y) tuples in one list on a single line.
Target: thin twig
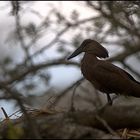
[(4, 112), (124, 134), (73, 94), (106, 125), (104, 106), (35, 68), (131, 69), (65, 92), (18, 111)]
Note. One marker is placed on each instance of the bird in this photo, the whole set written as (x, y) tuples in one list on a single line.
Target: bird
[(102, 74)]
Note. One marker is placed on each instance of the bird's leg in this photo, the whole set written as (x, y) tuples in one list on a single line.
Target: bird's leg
[(109, 99)]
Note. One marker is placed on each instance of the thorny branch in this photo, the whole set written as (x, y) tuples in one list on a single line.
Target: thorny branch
[(62, 32), (112, 18), (65, 92), (19, 31), (15, 95), (35, 68), (73, 95)]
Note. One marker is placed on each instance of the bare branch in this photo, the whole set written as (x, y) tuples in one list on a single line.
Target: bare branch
[(35, 68), (15, 95)]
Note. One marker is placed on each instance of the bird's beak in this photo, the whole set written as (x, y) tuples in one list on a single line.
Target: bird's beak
[(76, 52)]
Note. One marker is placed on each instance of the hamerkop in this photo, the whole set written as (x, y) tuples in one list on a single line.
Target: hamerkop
[(105, 76)]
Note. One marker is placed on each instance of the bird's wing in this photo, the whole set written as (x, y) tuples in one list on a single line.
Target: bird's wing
[(108, 67), (131, 77)]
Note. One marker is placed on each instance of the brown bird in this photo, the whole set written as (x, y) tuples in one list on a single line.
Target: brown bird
[(105, 76)]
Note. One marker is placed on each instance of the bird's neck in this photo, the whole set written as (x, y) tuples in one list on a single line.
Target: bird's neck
[(90, 58)]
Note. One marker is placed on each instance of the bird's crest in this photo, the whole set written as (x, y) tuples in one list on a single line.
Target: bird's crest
[(95, 47)]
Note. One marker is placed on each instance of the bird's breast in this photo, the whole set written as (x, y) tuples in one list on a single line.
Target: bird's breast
[(87, 68)]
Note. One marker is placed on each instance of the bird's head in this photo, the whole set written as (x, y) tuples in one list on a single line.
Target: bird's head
[(90, 46)]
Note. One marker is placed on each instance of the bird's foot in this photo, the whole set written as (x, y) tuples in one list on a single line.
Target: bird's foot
[(109, 99), (110, 102)]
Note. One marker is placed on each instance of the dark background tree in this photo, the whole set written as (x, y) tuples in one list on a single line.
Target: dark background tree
[(115, 24)]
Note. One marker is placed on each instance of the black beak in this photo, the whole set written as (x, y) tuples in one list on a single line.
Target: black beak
[(76, 52)]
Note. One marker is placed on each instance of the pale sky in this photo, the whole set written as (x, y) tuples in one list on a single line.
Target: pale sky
[(66, 7)]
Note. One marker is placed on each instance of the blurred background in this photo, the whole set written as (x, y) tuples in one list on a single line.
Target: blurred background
[(38, 36)]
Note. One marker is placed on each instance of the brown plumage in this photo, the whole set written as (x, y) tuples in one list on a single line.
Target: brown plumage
[(105, 76)]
